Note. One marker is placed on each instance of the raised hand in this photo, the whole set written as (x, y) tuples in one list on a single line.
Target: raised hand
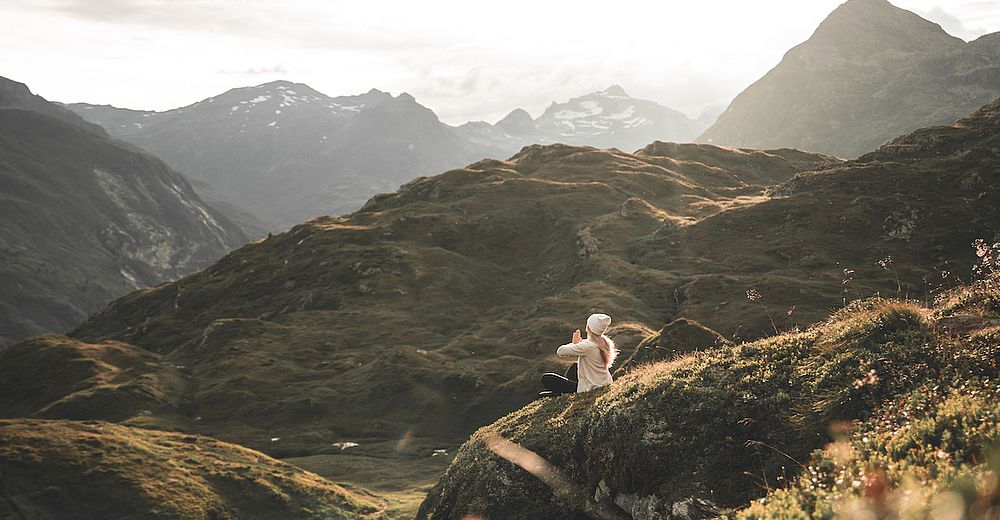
[(576, 336)]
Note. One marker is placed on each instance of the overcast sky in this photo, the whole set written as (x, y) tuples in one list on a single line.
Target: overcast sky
[(464, 59)]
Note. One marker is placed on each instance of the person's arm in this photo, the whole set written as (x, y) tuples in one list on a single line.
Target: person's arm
[(574, 349)]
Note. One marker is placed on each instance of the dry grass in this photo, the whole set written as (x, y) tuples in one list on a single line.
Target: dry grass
[(727, 424), (63, 469)]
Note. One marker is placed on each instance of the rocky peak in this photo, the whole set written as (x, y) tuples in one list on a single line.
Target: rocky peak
[(10, 89), (612, 91), (17, 95), (517, 119), (862, 27)]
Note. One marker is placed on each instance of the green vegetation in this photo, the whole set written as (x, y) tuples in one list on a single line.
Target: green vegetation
[(727, 424), (929, 453), (675, 338), (303, 335), (400, 478), (57, 377), (433, 310), (91, 469), (470, 277)]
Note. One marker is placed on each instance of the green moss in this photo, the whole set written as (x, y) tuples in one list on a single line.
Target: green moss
[(920, 457), (980, 298), (723, 424)]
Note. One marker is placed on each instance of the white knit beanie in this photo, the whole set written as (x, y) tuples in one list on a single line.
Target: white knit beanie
[(598, 323)]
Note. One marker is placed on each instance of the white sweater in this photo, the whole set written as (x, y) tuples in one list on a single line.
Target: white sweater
[(591, 371)]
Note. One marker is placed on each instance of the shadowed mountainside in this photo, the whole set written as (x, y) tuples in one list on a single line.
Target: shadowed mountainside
[(286, 152), (871, 71), (87, 219), (17, 95)]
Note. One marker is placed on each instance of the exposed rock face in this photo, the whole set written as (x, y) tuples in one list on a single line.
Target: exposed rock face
[(654, 508), (88, 219), (871, 71)]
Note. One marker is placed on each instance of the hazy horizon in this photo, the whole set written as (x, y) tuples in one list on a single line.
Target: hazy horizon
[(465, 62)]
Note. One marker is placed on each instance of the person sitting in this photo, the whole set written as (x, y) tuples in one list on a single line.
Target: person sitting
[(594, 356)]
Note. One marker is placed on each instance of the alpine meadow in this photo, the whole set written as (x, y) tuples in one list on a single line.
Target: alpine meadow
[(686, 261)]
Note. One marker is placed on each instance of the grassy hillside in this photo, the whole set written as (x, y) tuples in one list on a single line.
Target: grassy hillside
[(930, 453), (97, 470), (718, 428), (435, 308)]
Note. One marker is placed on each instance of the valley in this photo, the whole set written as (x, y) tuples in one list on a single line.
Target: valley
[(279, 303)]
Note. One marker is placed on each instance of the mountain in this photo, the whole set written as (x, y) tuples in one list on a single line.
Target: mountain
[(17, 95), (432, 311), (496, 261), (251, 226), (470, 277), (606, 119), (284, 152), (313, 324), (870, 71), (88, 219)]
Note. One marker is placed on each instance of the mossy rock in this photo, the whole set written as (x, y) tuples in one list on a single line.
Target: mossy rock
[(678, 337), (711, 427)]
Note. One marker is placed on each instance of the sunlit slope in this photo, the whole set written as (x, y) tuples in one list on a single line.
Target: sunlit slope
[(715, 429), (97, 470), (434, 309)]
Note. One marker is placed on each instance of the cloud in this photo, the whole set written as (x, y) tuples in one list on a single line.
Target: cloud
[(305, 24), (952, 24), (255, 71), (465, 60)]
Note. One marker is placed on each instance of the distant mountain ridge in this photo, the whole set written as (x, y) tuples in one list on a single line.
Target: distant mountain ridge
[(606, 119), (869, 72), (285, 152), (87, 219), (468, 278)]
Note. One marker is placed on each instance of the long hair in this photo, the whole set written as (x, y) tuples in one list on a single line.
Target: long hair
[(607, 347)]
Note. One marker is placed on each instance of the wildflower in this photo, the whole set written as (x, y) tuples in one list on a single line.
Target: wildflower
[(871, 378)]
